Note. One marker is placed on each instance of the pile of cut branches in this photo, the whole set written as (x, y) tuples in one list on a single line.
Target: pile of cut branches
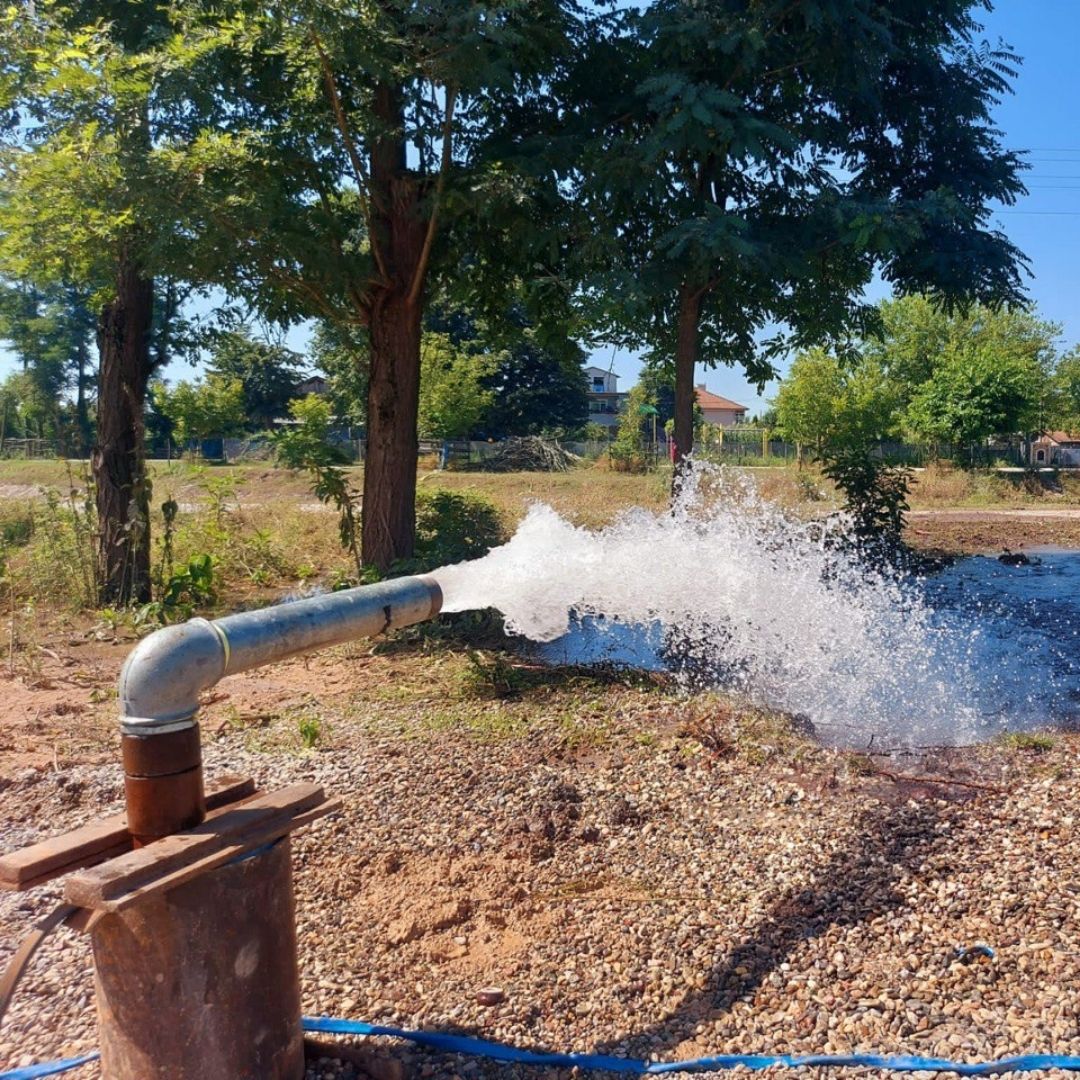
[(529, 453)]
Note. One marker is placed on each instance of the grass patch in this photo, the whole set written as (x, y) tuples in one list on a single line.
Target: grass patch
[(1038, 742)]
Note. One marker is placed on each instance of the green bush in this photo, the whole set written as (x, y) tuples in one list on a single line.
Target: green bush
[(875, 495), (305, 445), (452, 526)]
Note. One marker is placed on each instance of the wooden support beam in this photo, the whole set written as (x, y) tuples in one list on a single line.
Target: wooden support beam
[(173, 859), (93, 843)]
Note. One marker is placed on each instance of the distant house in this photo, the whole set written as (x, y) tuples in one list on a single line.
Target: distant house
[(315, 384), (605, 401), (718, 410), (1056, 448)]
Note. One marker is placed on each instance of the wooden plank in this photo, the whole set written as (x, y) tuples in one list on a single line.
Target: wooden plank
[(90, 888), (92, 843), (226, 854)]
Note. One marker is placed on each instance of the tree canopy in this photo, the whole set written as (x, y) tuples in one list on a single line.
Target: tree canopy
[(755, 164), (267, 372), (947, 378)]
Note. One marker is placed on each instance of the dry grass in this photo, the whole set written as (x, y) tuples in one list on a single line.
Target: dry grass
[(267, 534), (940, 486)]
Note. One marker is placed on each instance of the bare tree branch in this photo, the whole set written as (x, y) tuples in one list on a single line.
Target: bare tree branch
[(440, 184), (363, 184)]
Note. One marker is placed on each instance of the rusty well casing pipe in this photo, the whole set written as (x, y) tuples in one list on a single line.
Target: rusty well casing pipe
[(164, 675)]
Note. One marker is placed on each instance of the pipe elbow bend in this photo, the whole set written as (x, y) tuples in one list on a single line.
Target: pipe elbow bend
[(163, 676)]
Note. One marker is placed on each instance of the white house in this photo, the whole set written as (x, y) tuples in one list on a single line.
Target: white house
[(719, 410), (605, 401)]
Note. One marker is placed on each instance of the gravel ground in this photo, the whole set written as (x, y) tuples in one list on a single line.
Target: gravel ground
[(648, 896)]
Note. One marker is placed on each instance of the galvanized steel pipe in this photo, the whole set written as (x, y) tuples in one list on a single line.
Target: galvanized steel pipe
[(163, 677)]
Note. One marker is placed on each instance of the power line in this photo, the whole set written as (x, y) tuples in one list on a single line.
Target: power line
[(1042, 213)]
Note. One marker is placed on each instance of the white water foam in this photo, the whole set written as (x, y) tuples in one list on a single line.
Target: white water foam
[(736, 592)]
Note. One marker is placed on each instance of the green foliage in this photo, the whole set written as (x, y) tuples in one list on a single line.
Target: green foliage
[(823, 404), (453, 397), (974, 394), (306, 444), (454, 525), (1039, 742), (1063, 394), (50, 332), (208, 407), (536, 380), (267, 372), (61, 558), (331, 486), (341, 354), (309, 727), (710, 138), (186, 589), (955, 378), (536, 390), (630, 450), (875, 494)]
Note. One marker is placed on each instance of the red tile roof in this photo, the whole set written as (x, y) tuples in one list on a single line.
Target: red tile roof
[(708, 400), (1058, 437)]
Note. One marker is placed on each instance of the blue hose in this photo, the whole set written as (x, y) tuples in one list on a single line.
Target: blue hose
[(48, 1068), (466, 1044)]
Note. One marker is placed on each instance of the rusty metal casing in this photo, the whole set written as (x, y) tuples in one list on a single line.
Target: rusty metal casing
[(202, 982)]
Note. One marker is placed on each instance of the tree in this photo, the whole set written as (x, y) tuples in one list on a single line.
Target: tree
[(755, 164), (453, 397), (267, 372), (50, 330), (306, 445), (974, 394), (635, 437), (538, 384), (339, 351), (536, 389), (340, 149), (77, 207), (824, 404), (1063, 398), (208, 407), (962, 376)]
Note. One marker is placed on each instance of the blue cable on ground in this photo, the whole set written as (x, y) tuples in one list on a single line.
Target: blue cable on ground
[(466, 1044), (48, 1068)]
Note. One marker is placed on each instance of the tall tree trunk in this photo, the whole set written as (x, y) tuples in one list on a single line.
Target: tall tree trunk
[(394, 326), (389, 509), (118, 460), (686, 358)]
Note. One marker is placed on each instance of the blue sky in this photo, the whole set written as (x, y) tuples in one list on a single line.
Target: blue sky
[(1041, 117)]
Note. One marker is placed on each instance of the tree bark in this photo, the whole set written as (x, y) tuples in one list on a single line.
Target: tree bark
[(389, 509), (686, 358), (118, 459), (399, 228)]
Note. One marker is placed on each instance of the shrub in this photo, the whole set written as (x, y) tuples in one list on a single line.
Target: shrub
[(875, 495), (305, 445), (452, 526)]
